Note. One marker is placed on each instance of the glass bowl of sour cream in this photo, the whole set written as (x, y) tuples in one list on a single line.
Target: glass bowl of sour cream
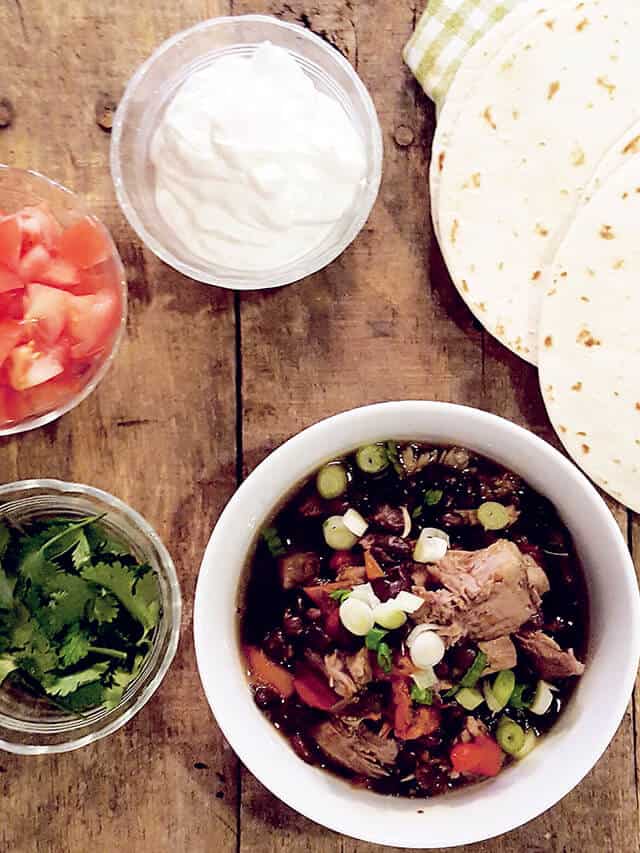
[(246, 152)]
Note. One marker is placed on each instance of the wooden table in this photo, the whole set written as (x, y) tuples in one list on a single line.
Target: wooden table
[(207, 383)]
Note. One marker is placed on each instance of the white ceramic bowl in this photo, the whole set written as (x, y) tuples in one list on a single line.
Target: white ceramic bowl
[(524, 790)]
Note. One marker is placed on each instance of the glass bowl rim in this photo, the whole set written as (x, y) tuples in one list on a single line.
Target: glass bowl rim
[(228, 277), (63, 488), (89, 388)]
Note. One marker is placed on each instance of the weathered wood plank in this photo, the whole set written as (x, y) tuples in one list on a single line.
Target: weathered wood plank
[(159, 433)]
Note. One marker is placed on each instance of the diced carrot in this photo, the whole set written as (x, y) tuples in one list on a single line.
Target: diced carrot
[(373, 568), (85, 244), (410, 723), (265, 671), (481, 757), (319, 593), (314, 690)]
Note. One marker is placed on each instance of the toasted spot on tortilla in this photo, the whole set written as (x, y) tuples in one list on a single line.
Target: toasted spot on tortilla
[(616, 393), (618, 264), (606, 232), (489, 118), (581, 433), (591, 272), (507, 65), (548, 341), (465, 286), (553, 88), (536, 275), (527, 46), (500, 329), (441, 157), (454, 231), (632, 147), (501, 265), (549, 24), (515, 114), (638, 406), (564, 274), (585, 448), (617, 461), (482, 306), (606, 84), (577, 156), (577, 386), (583, 23), (541, 230), (625, 196), (584, 299), (638, 441), (475, 179), (564, 192), (562, 428), (585, 337), (552, 292)]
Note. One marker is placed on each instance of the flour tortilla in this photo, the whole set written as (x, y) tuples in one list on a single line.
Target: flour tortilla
[(590, 341), (624, 150), (543, 114), (466, 79)]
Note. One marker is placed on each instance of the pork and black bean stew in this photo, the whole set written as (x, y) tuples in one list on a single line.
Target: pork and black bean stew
[(414, 618)]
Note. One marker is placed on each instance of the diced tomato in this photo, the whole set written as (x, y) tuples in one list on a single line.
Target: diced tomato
[(29, 367), (12, 304), (10, 242), (50, 395), (372, 567), (85, 244), (11, 334), (481, 757), (9, 280), (314, 690), (60, 273), (264, 671), (46, 308), (92, 320), (34, 263), (38, 226)]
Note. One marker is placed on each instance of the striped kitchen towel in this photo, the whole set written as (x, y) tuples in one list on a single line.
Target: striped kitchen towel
[(445, 32)]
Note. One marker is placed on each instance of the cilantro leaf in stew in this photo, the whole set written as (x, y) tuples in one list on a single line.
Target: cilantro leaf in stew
[(414, 618), (77, 613)]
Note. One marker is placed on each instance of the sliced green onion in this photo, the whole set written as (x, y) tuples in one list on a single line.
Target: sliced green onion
[(493, 516), (530, 741), (510, 736), (425, 677), (356, 616), (337, 535), (389, 615), (273, 541), (417, 512), (331, 481), (469, 698), (372, 459), (503, 685), (393, 453), (374, 638), (433, 497), (340, 594), (429, 548), (422, 695), (355, 523), (543, 698), (384, 657), (451, 692), (471, 676), (518, 700), (492, 703)]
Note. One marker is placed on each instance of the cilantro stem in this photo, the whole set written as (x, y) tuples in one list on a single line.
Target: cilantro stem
[(108, 653), (72, 528)]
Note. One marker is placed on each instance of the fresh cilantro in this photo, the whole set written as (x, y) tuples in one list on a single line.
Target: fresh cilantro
[(384, 657), (433, 497), (274, 543), (417, 512), (521, 697), (393, 454), (75, 645), (104, 608), (422, 695), (63, 685), (340, 595), (373, 638), (140, 596), (71, 600)]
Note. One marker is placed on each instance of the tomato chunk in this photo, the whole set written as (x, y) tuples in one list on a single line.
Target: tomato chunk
[(34, 263), (91, 321), (28, 367), (11, 334), (85, 243), (60, 273), (46, 308), (481, 757), (38, 226), (9, 280), (10, 242)]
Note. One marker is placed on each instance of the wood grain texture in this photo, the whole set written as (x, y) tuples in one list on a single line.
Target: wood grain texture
[(382, 322)]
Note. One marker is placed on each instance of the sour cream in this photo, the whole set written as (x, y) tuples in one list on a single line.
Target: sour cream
[(254, 166)]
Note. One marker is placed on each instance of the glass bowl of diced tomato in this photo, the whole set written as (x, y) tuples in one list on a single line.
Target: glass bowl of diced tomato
[(63, 298)]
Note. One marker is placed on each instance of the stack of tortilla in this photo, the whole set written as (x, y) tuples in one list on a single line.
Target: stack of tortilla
[(535, 188)]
